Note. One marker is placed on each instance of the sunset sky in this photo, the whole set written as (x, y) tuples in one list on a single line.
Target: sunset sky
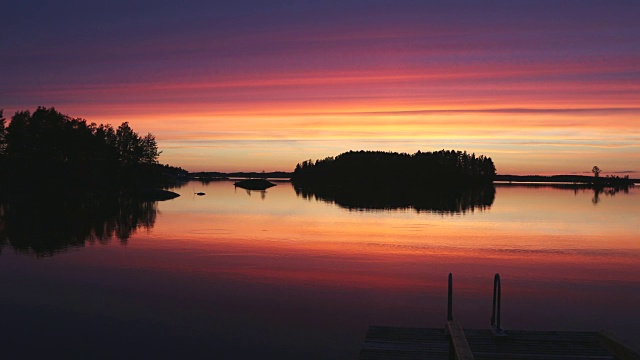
[(542, 87)]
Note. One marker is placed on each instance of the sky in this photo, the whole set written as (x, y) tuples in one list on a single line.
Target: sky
[(541, 87)]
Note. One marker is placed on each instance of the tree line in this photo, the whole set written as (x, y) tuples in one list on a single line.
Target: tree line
[(48, 144), (366, 169)]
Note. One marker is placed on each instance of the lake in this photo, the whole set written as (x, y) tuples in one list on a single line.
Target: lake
[(280, 274)]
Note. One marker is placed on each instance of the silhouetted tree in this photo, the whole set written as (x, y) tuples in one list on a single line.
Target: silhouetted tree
[(106, 148), (3, 144), (47, 135), (149, 149), (128, 144), (132, 149), (17, 134), (596, 171)]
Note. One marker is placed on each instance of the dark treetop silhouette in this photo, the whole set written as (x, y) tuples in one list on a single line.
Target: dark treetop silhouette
[(71, 152)]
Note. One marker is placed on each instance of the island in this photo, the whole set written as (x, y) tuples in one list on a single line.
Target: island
[(444, 169), (445, 181), (254, 184)]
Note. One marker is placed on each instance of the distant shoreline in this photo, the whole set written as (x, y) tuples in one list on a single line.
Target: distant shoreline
[(283, 175), (216, 175), (570, 179)]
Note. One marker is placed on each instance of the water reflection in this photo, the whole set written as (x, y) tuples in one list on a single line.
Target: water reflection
[(46, 224), (607, 191), (610, 191), (233, 275), (431, 200), (263, 193)]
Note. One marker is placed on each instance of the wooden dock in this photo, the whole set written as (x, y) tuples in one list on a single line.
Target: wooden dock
[(452, 342), (384, 342)]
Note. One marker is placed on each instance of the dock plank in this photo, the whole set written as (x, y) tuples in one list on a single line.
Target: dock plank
[(459, 343), (614, 345), (537, 345), (384, 342)]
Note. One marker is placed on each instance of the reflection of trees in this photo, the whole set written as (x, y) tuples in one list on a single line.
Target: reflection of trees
[(431, 200), (46, 225), (607, 191), (263, 193), (598, 190)]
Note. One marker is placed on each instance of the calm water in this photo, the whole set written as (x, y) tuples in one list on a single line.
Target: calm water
[(237, 274)]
